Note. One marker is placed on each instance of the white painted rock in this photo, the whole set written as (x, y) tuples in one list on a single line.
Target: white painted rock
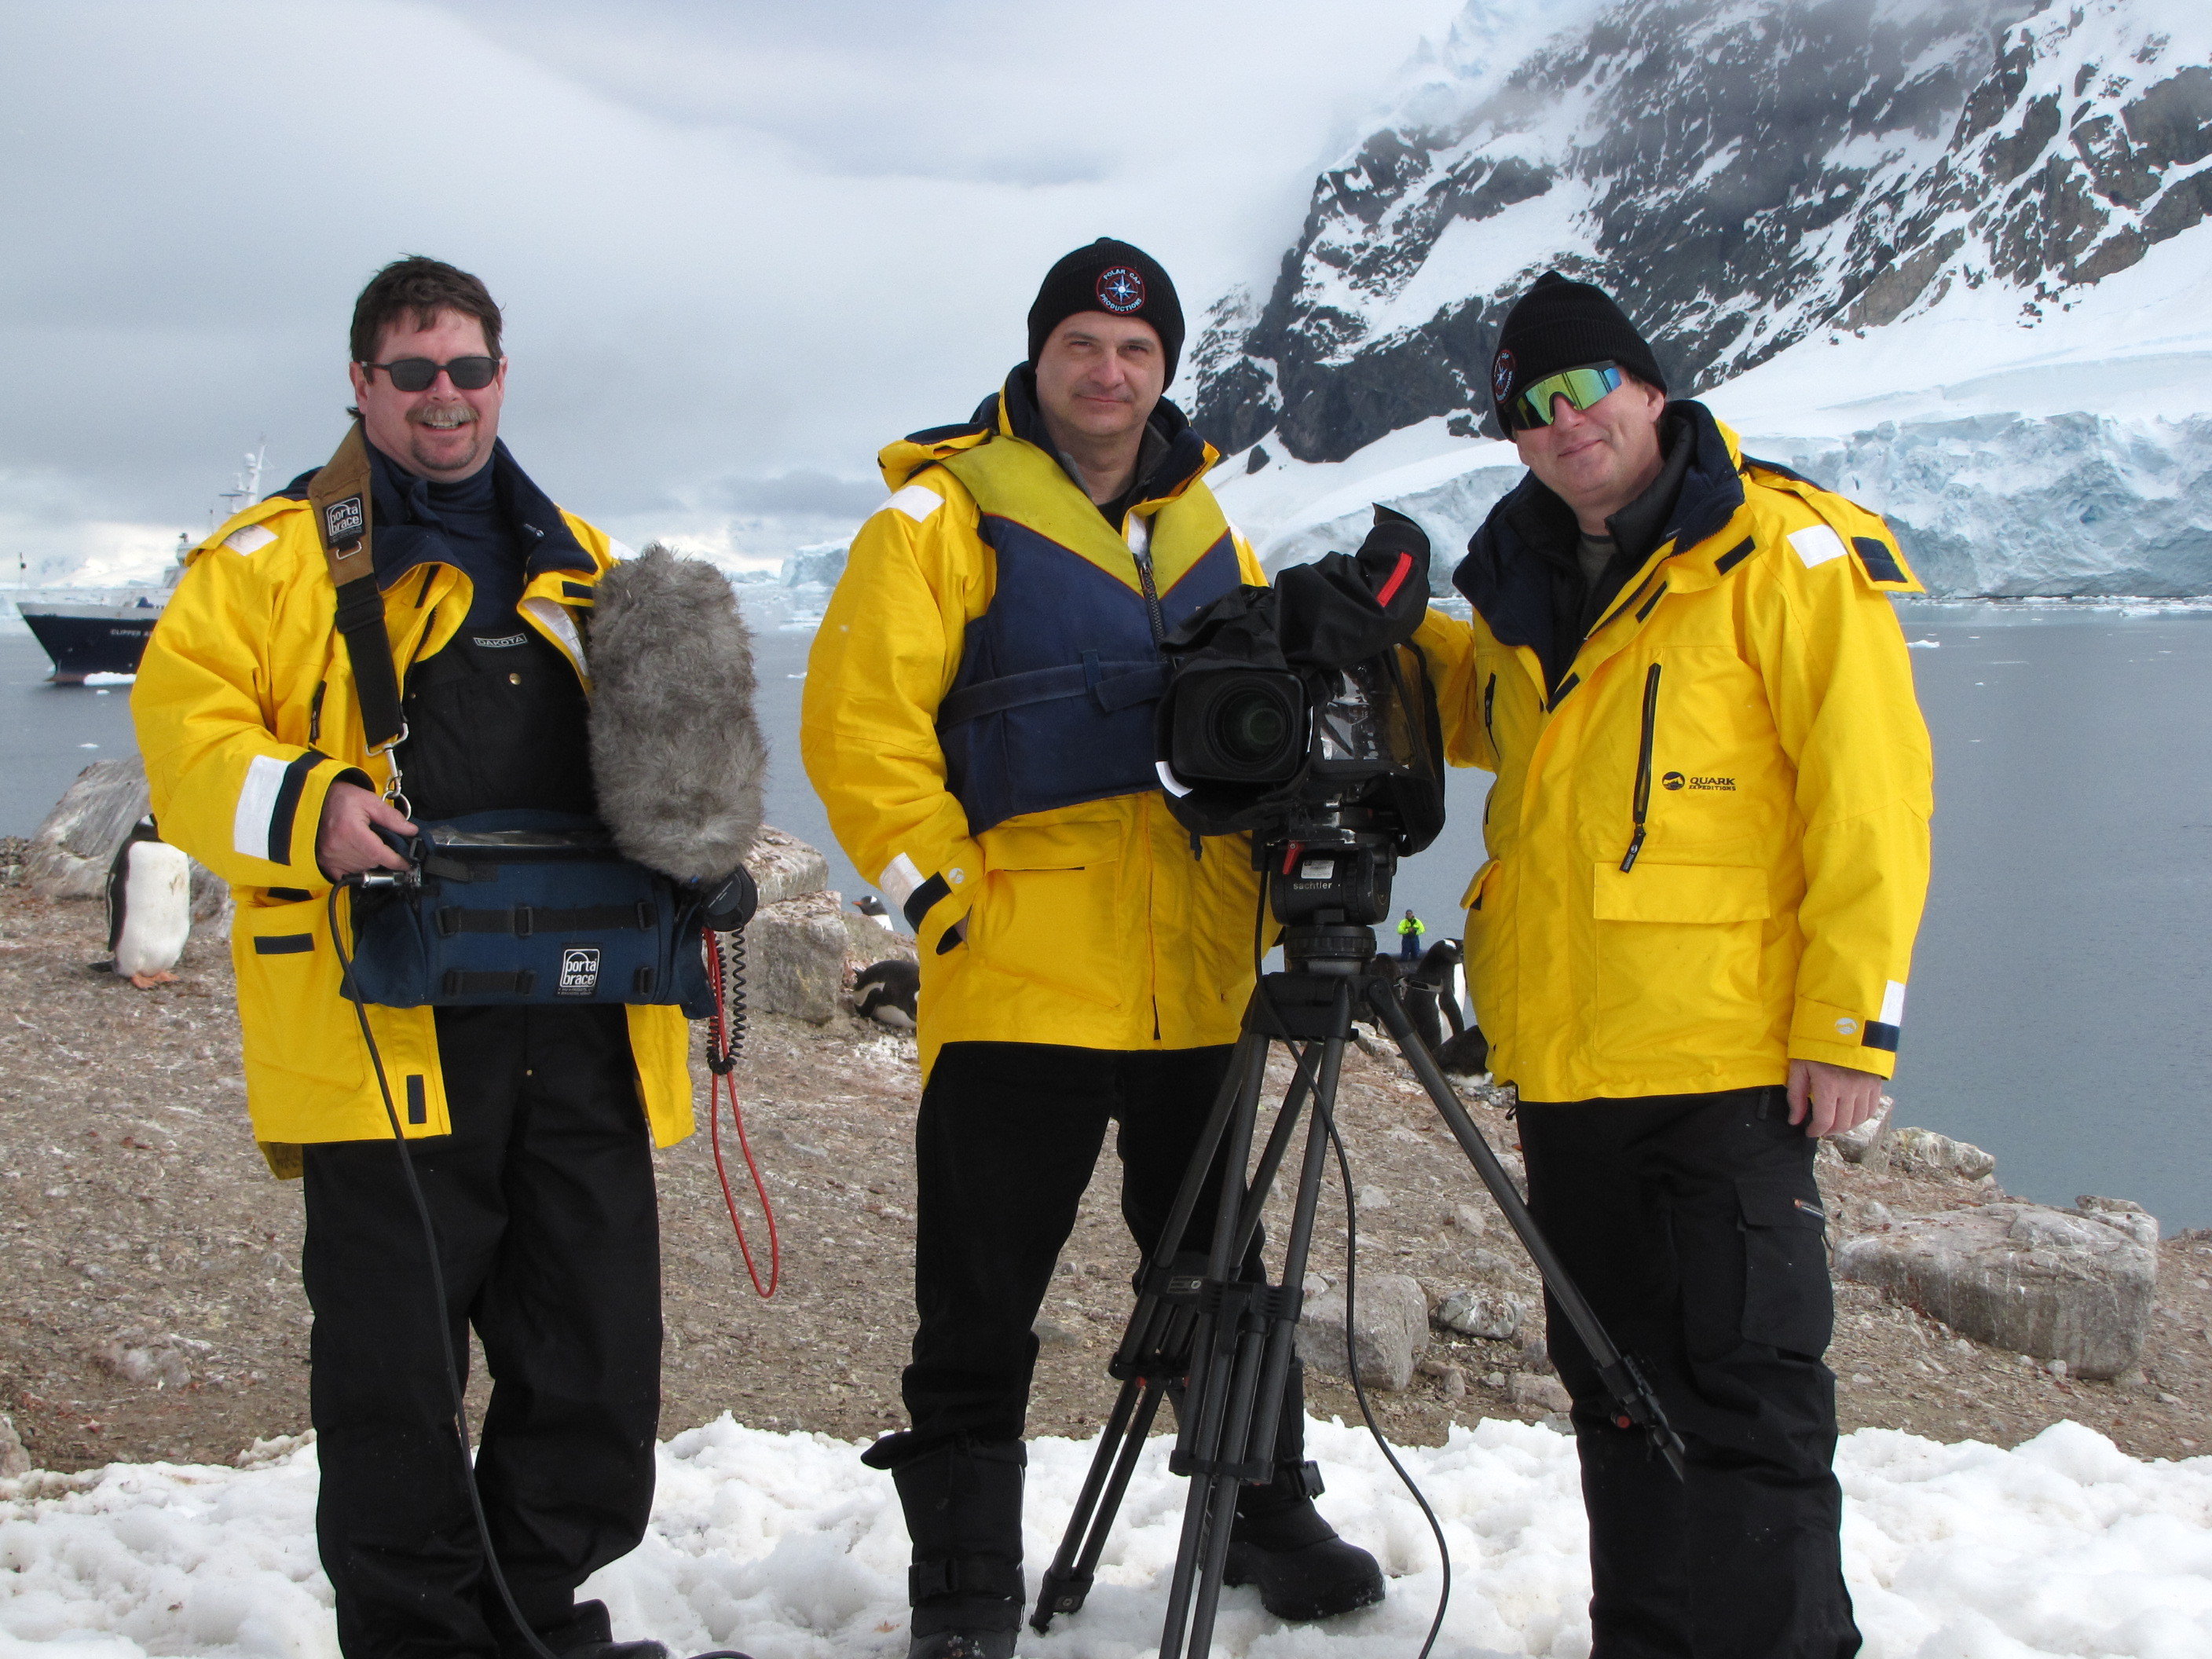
[(2051, 1284)]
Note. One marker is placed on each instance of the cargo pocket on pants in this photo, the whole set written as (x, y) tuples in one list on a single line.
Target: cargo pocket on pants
[(1788, 1301)]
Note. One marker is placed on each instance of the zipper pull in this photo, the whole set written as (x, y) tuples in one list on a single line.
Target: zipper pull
[(1635, 846)]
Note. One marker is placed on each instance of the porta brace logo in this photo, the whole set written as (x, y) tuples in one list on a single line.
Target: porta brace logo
[(1680, 781), (344, 521), (580, 970)]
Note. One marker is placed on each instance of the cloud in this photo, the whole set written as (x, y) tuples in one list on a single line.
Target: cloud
[(733, 242)]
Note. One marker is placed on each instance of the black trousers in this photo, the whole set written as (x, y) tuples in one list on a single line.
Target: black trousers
[(1008, 1137), (542, 1201), (1692, 1224)]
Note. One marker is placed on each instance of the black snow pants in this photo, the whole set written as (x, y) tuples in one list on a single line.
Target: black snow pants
[(1692, 1224), (543, 1200), (1006, 1143)]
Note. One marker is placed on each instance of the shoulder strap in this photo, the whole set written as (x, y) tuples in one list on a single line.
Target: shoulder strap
[(341, 497)]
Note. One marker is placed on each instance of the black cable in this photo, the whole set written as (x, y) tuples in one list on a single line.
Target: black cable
[(1358, 1388), (437, 1287)]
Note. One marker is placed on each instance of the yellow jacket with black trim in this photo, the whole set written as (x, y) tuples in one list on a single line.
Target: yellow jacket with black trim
[(247, 715), (1100, 924), (1708, 842)]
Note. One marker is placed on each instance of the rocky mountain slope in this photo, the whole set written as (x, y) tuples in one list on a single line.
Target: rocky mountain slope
[(1745, 176)]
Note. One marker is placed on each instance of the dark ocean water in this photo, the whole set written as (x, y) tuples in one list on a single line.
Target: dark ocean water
[(2057, 1014)]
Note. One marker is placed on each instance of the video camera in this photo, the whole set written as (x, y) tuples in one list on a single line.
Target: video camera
[(1302, 714)]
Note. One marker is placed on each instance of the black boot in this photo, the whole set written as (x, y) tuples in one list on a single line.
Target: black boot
[(1280, 1542), (963, 1512)]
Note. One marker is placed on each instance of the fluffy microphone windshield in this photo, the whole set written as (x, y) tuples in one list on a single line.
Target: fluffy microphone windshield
[(676, 753)]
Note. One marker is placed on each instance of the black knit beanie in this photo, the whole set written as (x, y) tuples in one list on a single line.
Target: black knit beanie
[(1559, 324), (1115, 278)]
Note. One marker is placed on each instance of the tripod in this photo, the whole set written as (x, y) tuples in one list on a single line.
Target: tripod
[(1226, 1339)]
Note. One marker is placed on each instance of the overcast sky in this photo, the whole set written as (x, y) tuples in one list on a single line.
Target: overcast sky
[(739, 245)]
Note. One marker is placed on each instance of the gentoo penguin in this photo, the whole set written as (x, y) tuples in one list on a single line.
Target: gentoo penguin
[(873, 908), (884, 992), (150, 906)]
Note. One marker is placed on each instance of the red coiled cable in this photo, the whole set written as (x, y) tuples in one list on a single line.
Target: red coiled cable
[(721, 1062)]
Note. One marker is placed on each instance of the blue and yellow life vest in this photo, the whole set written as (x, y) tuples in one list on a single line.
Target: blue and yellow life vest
[(1054, 701)]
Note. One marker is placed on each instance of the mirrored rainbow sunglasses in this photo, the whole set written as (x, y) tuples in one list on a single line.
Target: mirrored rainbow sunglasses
[(1532, 406)]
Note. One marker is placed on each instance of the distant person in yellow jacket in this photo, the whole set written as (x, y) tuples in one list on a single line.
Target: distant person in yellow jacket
[(1708, 848), (532, 1128), (1409, 937), (978, 721)]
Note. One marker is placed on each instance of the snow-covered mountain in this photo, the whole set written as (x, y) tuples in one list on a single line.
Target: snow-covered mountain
[(1950, 256)]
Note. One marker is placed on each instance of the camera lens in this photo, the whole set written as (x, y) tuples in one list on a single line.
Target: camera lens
[(1248, 727), (1238, 727)]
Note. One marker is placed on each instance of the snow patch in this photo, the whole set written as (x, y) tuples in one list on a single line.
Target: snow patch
[(784, 1546)]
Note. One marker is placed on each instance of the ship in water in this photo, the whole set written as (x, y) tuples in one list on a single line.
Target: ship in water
[(99, 632)]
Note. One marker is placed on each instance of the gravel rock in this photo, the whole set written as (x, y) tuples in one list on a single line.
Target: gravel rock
[(1869, 1143), (1390, 1329), (70, 851), (2069, 1289), (1925, 1153), (1482, 1313), (1545, 1393), (2129, 1217), (785, 868), (795, 957), (14, 1460)]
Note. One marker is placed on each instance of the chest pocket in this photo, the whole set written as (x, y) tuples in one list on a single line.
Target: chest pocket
[(1051, 912)]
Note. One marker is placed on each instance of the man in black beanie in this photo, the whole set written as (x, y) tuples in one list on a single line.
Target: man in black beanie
[(978, 722), (1708, 847)]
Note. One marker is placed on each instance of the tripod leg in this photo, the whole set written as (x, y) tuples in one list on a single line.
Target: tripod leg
[(1066, 1582), (1633, 1396), (1264, 1360)]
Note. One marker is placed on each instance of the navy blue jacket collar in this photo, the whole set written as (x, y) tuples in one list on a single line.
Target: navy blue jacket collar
[(404, 532), (1507, 573)]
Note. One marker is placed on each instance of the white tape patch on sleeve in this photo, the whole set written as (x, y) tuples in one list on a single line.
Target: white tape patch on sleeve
[(1892, 1003), (249, 539), (1816, 544), (917, 501), (899, 879), (620, 550), (257, 805), (557, 621)]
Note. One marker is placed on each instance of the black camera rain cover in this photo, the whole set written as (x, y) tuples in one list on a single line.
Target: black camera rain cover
[(1317, 620)]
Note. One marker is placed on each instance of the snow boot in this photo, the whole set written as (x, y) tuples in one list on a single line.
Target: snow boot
[(963, 1512), (1280, 1543)]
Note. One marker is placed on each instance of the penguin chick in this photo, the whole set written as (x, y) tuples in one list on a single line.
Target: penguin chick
[(873, 908), (884, 992), (150, 906)]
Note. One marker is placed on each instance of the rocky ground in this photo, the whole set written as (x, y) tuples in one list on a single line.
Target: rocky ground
[(151, 1308)]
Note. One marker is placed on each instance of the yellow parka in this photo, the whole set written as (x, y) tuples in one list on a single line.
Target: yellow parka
[(245, 712), (1097, 926), (1708, 846)]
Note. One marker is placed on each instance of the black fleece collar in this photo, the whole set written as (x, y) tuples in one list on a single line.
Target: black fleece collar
[(1506, 575), (405, 532)]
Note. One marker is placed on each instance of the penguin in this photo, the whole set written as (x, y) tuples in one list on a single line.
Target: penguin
[(150, 906), (873, 908), (884, 992)]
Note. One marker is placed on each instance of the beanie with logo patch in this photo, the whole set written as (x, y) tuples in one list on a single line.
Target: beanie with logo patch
[(1118, 279), (1558, 325)]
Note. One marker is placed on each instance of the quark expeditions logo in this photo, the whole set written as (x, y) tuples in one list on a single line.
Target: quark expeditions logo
[(580, 970), (1119, 290), (1501, 375), (344, 522), (1690, 780)]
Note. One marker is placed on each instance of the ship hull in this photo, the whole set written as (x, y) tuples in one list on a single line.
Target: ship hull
[(86, 640)]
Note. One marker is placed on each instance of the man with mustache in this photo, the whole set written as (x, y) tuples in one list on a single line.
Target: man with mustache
[(530, 1128), (1708, 845), (978, 721)]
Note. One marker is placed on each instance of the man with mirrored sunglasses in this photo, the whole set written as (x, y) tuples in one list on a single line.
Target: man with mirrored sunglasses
[(1708, 848), (531, 1128)]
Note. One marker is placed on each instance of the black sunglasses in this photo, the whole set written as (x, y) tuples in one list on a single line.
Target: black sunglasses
[(420, 373)]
